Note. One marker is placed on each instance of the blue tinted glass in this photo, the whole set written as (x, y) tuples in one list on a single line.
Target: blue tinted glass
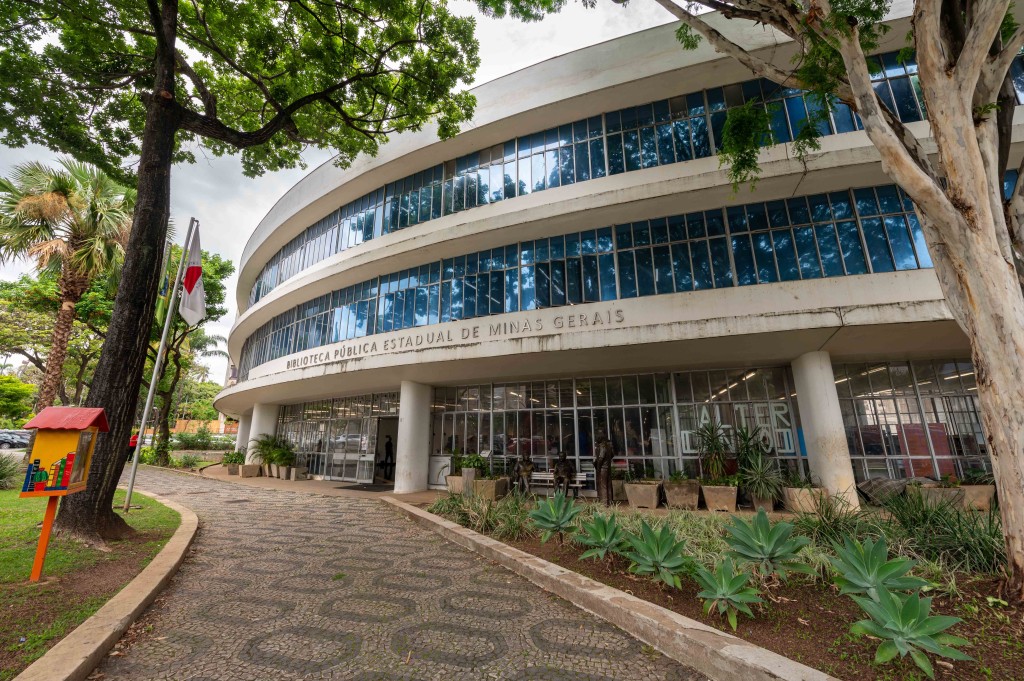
[(891, 64), (701, 143), (906, 103), (828, 248), (572, 245), (565, 134), (557, 248), (497, 294), (661, 111), (645, 114), (597, 160), (631, 149), (798, 212), (540, 247), (579, 131), (606, 263), (681, 266), (432, 304), (528, 286), (797, 113), (595, 126), (714, 222), (744, 257), (588, 242), (641, 234), (566, 165), (720, 259), (604, 240), (629, 118), (716, 99), (882, 90), (644, 272), (627, 274), (446, 301), (777, 216), (582, 162), (765, 258), (434, 272), (878, 245), (785, 255), (757, 217), (458, 299), (624, 236), (853, 254), (817, 113), (538, 172), (497, 183), (810, 268), (409, 319), (737, 218), (510, 150), (511, 185), (525, 175), (663, 269), (701, 265), (512, 291), (899, 240), (841, 207), (557, 283), (613, 121), (448, 268), (717, 127), (695, 103), (677, 228), (682, 139), (591, 280), (554, 171), (820, 210), (919, 243), (889, 199), (648, 147), (659, 231), (573, 281), (526, 253), (865, 200), (842, 117), (695, 225)]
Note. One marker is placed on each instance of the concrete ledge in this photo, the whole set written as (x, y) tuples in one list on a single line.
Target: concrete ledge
[(81, 651), (715, 653)]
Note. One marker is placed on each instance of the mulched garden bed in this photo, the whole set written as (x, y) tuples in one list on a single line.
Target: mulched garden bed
[(810, 622)]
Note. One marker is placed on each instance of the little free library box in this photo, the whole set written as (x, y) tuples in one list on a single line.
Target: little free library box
[(65, 439)]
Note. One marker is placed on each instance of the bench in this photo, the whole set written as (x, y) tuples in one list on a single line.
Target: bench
[(547, 479)]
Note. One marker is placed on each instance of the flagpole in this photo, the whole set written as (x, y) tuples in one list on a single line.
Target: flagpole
[(158, 364)]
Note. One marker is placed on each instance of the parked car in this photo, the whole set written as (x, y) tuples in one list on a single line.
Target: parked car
[(13, 439)]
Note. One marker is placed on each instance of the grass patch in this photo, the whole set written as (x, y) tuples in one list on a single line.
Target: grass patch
[(77, 580)]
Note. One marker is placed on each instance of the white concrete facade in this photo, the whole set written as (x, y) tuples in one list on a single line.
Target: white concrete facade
[(803, 326), (262, 422)]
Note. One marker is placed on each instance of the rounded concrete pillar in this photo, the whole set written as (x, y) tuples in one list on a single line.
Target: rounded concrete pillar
[(824, 433), (412, 453), (262, 422), (242, 438)]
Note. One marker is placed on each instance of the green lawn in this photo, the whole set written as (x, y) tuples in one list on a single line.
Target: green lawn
[(43, 613)]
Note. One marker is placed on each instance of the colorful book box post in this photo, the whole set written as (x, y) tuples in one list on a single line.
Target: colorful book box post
[(65, 440)]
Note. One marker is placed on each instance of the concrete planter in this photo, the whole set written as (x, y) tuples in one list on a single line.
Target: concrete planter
[(978, 497), (273, 470), (298, 473), (767, 503), (265, 469), (249, 470), (618, 490), (232, 468), (643, 494), (683, 494), (800, 499), (491, 490), (720, 498), (940, 496), (284, 472), (454, 483)]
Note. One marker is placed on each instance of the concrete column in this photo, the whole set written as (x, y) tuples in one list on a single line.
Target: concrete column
[(242, 439), (824, 433), (412, 453), (262, 422)]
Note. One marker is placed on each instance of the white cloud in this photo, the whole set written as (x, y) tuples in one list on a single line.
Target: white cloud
[(230, 205)]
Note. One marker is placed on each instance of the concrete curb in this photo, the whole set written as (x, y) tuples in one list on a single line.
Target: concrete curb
[(719, 655), (81, 651)]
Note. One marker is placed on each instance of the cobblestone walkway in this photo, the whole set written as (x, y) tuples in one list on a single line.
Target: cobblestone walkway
[(283, 585)]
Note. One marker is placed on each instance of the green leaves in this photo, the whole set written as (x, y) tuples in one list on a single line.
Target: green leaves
[(747, 129), (864, 568), (555, 515), (658, 554), (604, 535), (727, 590), (769, 548), (904, 625)]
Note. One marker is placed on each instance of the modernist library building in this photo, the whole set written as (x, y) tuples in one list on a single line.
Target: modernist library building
[(575, 264)]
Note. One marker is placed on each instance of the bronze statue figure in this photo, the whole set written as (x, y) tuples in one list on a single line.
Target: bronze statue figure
[(603, 455), (565, 474), (521, 473)]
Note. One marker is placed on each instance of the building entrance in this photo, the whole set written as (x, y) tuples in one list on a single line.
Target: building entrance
[(387, 444)]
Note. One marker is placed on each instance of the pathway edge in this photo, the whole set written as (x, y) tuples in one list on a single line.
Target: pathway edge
[(75, 656), (719, 655)]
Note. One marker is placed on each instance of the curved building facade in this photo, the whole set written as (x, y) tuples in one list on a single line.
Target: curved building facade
[(575, 265)]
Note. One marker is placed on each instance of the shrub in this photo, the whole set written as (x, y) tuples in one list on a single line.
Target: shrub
[(10, 472), (188, 461), (713, 446), (554, 516), (658, 554), (603, 535), (233, 457), (768, 547), (274, 449), (865, 568), (833, 519), (903, 623), (511, 518), (726, 589), (761, 478), (505, 519)]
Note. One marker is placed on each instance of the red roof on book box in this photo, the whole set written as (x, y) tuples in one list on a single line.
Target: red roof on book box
[(69, 418)]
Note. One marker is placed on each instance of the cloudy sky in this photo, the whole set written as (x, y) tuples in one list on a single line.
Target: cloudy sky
[(229, 205)]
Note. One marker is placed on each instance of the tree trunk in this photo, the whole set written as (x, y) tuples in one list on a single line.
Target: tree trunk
[(54, 375), (115, 385)]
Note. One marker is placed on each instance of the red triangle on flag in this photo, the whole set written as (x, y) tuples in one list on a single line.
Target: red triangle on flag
[(192, 275)]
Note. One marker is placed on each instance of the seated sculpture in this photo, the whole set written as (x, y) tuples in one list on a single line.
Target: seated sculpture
[(521, 473), (565, 473)]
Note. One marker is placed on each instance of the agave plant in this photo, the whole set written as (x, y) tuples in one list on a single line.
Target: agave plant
[(554, 516), (769, 547), (658, 554), (903, 623), (865, 568), (728, 590), (603, 535)]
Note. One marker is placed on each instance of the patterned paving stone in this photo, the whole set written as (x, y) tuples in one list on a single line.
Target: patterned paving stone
[(298, 586)]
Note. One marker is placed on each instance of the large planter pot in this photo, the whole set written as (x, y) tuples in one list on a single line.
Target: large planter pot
[(940, 496), (249, 470), (284, 472), (232, 468), (683, 494), (801, 499), (491, 490), (454, 483), (273, 470), (618, 490), (265, 469), (978, 497), (298, 473), (767, 503), (643, 494), (720, 498)]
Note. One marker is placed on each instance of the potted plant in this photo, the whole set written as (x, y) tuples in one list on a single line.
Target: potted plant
[(979, 489), (618, 484), (761, 478), (285, 461), (945, 491), (644, 492), (682, 492), (269, 450), (231, 462), (719, 489), (799, 495), (491, 488)]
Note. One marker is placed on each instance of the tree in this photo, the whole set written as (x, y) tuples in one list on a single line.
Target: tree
[(15, 397), (964, 50), (111, 80), (195, 400), (73, 221)]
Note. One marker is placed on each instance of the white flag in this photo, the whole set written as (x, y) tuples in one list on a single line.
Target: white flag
[(193, 295)]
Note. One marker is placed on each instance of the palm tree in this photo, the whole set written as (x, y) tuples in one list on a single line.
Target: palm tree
[(74, 222)]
